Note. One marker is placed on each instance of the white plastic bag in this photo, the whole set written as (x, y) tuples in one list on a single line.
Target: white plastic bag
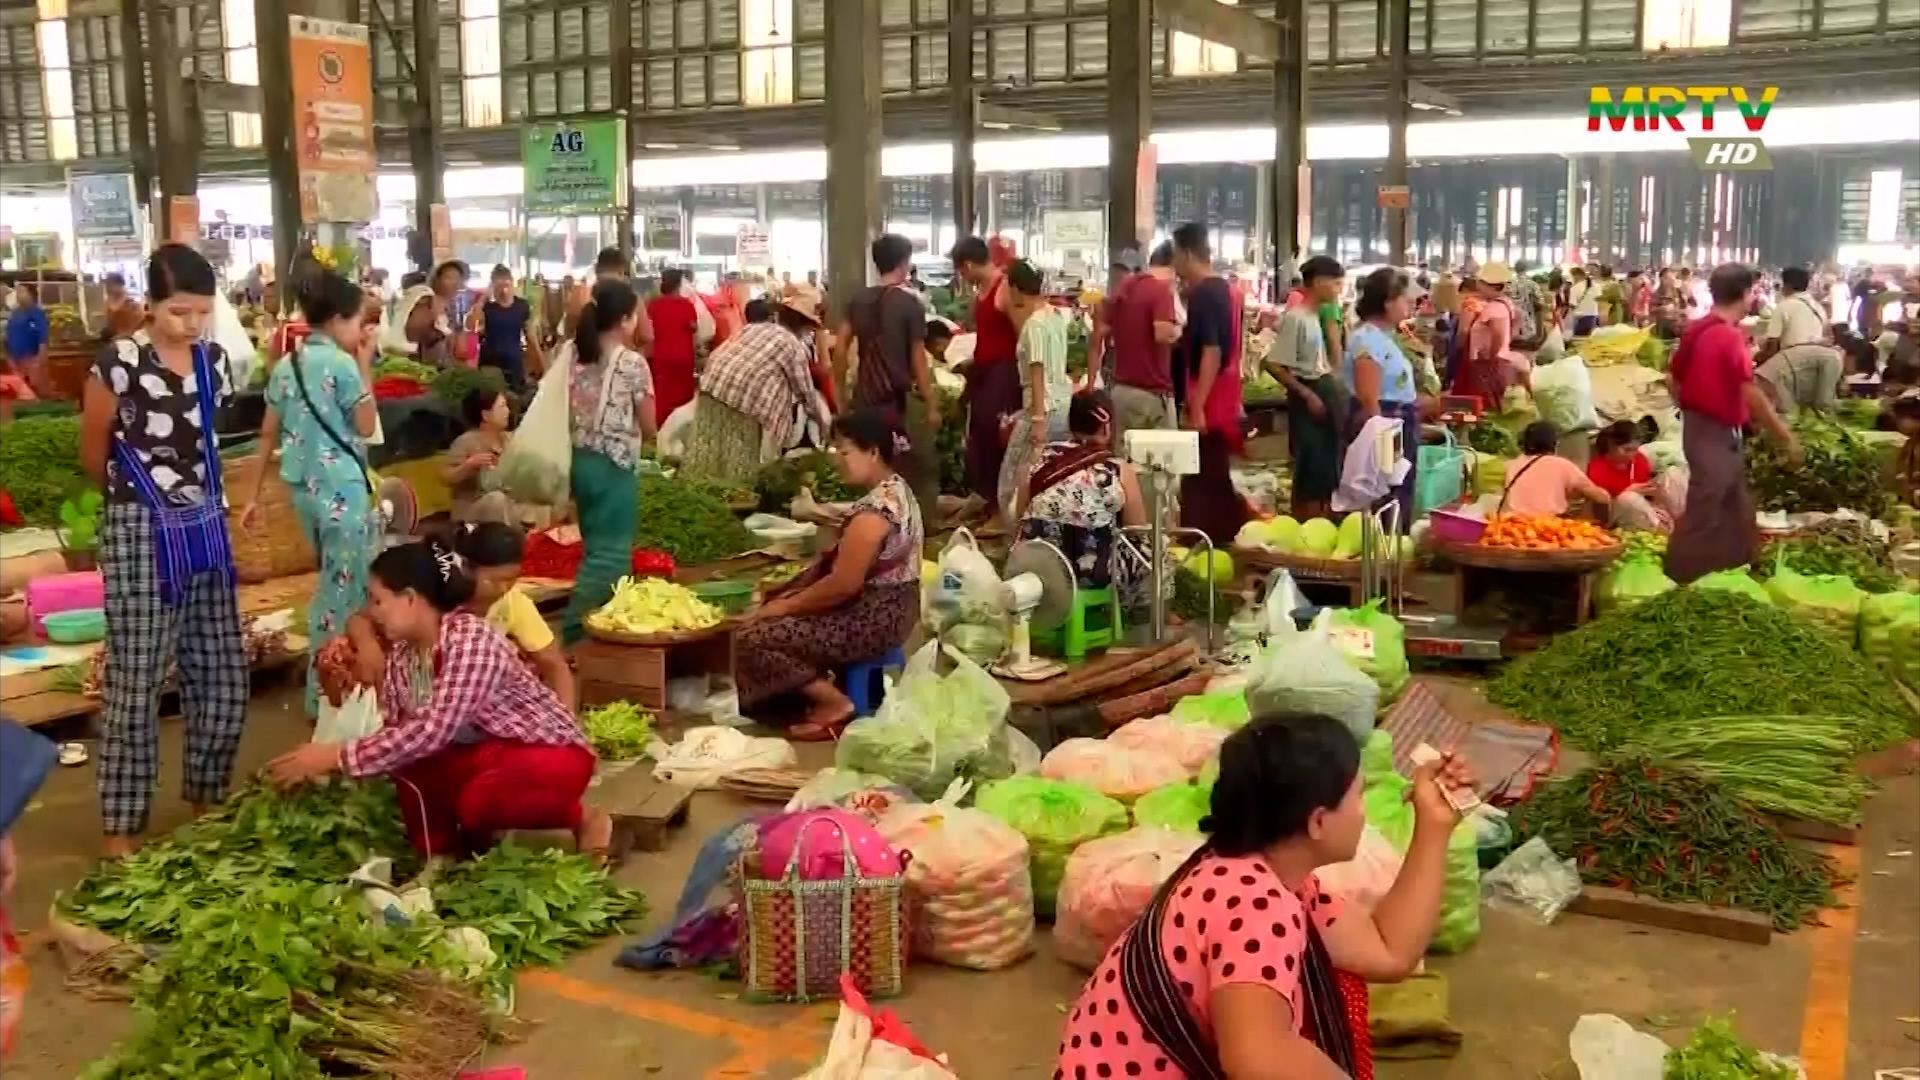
[(1532, 881), (1563, 392), (1107, 884), (356, 717), (1551, 349), (967, 881), (1364, 879), (968, 589), (1605, 1047), (705, 754), (537, 465), (854, 1053), (1304, 672), (673, 433)]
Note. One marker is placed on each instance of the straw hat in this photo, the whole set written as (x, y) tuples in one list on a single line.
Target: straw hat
[(804, 301), (1495, 273)]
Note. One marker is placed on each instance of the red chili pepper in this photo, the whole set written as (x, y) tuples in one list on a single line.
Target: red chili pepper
[(8, 514), (648, 562)]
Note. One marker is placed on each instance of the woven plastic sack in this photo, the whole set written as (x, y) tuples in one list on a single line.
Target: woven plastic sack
[(1304, 672), (1830, 600), (1383, 658), (1563, 391), (934, 728), (1222, 708), (1890, 634), (1630, 582), (1192, 745), (1112, 769), (1056, 818), (1734, 581), (1365, 878), (1177, 806), (1383, 798), (969, 890), (1108, 883)]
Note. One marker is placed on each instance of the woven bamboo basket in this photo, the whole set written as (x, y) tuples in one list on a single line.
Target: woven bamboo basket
[(1525, 561), (1303, 567), (279, 545)]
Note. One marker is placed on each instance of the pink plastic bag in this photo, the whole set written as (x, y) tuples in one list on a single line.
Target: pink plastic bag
[(818, 836)]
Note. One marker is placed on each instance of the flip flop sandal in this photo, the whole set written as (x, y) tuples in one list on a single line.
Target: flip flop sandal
[(73, 754)]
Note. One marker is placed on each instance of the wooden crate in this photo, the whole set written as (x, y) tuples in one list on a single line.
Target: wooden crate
[(639, 673)]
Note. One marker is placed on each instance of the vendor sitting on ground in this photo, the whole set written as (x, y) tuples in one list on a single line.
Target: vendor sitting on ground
[(477, 745), (1541, 483), (1078, 497), (473, 456), (856, 602), (1625, 474), (1242, 966)]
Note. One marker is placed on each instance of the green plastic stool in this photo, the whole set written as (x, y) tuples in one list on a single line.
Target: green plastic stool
[(1073, 637)]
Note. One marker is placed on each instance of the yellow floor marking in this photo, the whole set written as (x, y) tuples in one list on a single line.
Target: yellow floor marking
[(1824, 1027)]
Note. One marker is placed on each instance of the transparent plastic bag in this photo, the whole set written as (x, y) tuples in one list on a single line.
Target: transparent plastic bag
[(1179, 807), (1532, 881), (356, 717), (968, 881), (1384, 657), (935, 728), (1362, 880), (1112, 769), (1305, 672), (1192, 745), (537, 465), (1056, 817), (1108, 883)]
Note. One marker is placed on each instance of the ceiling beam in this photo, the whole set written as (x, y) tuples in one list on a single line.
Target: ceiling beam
[(1209, 20)]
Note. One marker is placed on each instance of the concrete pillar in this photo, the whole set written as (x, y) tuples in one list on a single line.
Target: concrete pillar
[(428, 119), (852, 190), (1574, 237), (1287, 192), (1399, 110), (133, 54), (620, 56), (176, 119), (1603, 244), (964, 117), (1130, 203)]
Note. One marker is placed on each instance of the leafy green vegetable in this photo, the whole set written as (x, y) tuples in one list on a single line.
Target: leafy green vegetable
[(1716, 1052), (780, 481), (1841, 471), (618, 732), (689, 520), (453, 383), (1844, 548), (40, 465), (536, 907), (1801, 766), (405, 367), (80, 521)]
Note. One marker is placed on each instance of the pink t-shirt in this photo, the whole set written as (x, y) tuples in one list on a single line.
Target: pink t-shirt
[(1230, 922), (1544, 489)]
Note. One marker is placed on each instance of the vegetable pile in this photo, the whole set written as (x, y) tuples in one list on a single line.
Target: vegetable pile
[(40, 466), (1665, 832), (1716, 1052), (653, 605), (1690, 653), (1845, 548), (1316, 538), (536, 907), (618, 732), (1841, 471), (1493, 439), (780, 481), (1644, 544), (688, 520), (1532, 533), (453, 383), (950, 444), (1801, 766)]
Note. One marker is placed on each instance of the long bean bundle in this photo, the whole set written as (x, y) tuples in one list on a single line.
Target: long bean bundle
[(1796, 765), (1691, 653), (1672, 834)]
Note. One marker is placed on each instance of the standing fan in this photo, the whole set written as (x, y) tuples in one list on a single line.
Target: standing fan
[(1037, 584), (398, 506)]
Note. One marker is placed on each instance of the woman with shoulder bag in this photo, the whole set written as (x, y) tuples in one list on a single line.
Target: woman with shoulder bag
[(320, 412)]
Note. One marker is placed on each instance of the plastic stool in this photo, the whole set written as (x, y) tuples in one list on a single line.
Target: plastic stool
[(865, 683), (1074, 637)]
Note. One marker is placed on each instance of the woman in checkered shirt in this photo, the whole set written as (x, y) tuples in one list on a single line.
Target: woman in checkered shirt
[(475, 742)]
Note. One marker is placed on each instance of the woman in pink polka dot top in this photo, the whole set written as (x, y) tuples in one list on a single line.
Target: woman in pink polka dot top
[(1230, 972)]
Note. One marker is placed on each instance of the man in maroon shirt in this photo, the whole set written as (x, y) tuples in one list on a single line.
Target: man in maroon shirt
[(1143, 325), (1711, 378)]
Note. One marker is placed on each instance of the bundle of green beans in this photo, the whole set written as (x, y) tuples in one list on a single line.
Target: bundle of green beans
[(1801, 766)]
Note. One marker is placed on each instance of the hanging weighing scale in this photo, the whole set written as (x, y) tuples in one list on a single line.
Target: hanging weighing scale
[(1161, 458)]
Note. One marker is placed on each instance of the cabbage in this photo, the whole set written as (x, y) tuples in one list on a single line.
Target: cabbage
[(1347, 544), (1221, 567), (1176, 806), (1318, 538), (1283, 533), (982, 644)]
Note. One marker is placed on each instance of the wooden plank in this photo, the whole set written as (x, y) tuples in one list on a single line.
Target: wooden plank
[(1727, 924), (50, 707), (645, 809)]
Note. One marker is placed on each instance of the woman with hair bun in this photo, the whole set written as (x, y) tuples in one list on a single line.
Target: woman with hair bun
[(147, 438), (320, 412), (1078, 497), (1230, 973), (477, 745)]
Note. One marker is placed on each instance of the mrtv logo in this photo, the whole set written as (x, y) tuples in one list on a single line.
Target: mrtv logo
[(1709, 114)]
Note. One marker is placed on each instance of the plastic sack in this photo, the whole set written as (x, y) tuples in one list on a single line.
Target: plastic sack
[(1563, 392), (1551, 349), (1734, 581), (1112, 769), (1224, 708), (1108, 883), (1365, 878), (968, 885), (705, 754), (1190, 744), (673, 434), (537, 465), (1629, 582), (1177, 806), (1383, 798), (1056, 818), (1304, 672), (869, 1044), (933, 729), (356, 717), (1381, 652), (1890, 634), (842, 787), (1831, 600), (1533, 881), (968, 590), (1605, 1047)]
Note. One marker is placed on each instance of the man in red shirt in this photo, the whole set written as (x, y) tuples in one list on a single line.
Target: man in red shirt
[(1711, 378), (1142, 324)]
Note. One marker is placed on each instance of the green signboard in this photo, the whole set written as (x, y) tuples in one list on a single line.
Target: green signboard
[(575, 166)]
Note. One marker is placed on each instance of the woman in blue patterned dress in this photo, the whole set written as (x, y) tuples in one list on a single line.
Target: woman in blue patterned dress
[(320, 412)]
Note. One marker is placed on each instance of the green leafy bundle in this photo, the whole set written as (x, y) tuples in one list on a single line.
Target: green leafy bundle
[(951, 444), (1663, 831), (453, 383), (405, 367), (1488, 437), (689, 520), (780, 481), (40, 465), (618, 731), (536, 907), (1841, 471), (1847, 548), (1691, 653), (1716, 1052)]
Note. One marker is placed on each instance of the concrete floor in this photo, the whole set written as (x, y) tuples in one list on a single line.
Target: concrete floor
[(1848, 1008)]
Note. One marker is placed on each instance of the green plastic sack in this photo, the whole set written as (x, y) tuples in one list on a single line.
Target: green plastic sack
[(1890, 634), (1222, 709), (1383, 791), (1388, 666), (1056, 817), (1630, 582), (1829, 600), (1734, 581), (1176, 806), (1383, 799)]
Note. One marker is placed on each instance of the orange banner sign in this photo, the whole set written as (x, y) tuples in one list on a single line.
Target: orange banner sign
[(183, 221), (332, 68)]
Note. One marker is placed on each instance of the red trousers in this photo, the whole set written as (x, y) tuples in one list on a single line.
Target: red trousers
[(459, 800)]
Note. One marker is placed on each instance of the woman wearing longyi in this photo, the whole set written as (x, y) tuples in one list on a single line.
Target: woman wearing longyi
[(1230, 973), (476, 743)]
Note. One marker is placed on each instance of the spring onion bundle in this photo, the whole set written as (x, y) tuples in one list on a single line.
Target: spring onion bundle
[(1801, 766)]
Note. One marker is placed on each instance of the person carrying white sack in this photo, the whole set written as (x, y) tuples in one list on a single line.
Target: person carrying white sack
[(1797, 363)]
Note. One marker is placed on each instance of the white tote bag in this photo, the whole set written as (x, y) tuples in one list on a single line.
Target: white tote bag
[(537, 465)]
